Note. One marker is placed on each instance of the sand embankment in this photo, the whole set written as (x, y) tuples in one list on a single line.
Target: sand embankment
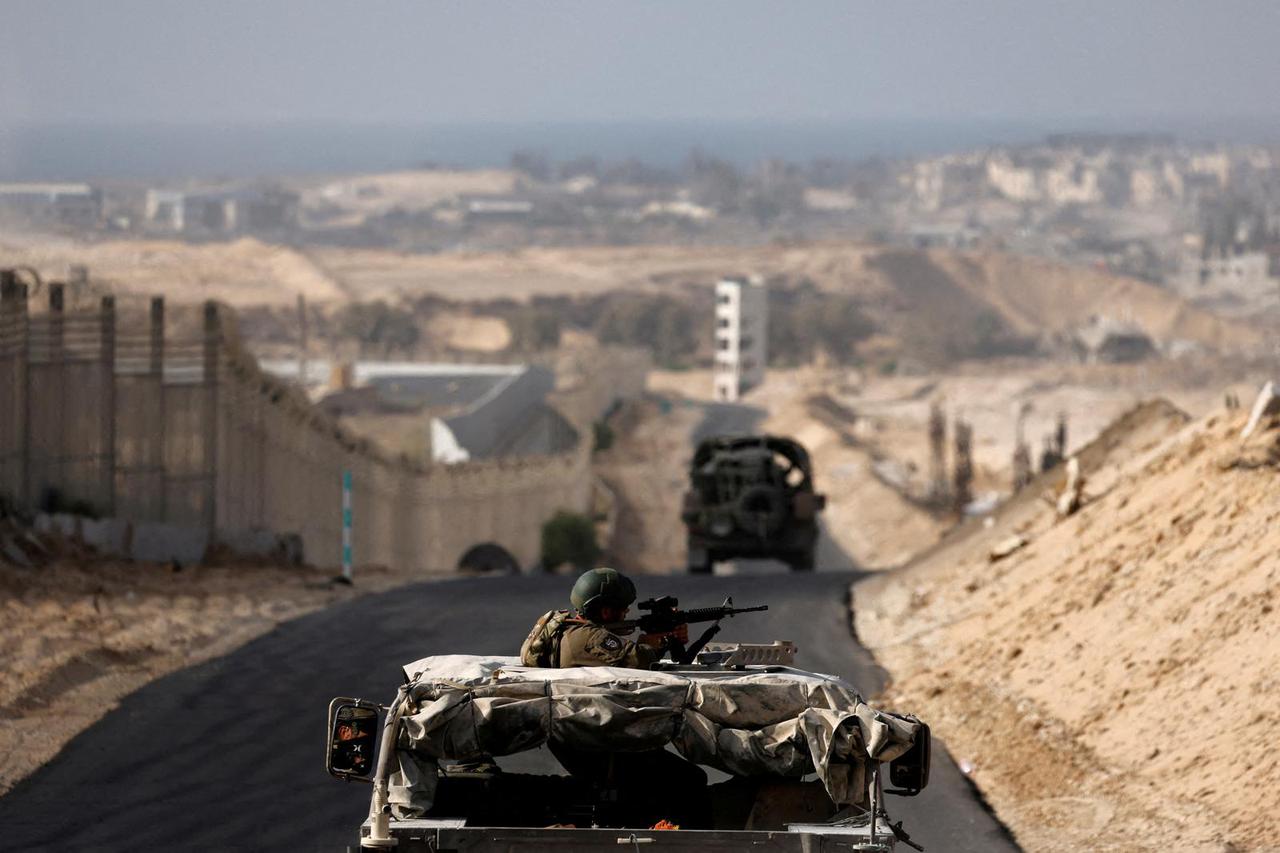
[(1112, 683)]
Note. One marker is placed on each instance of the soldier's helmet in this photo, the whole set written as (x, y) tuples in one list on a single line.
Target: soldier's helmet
[(600, 587)]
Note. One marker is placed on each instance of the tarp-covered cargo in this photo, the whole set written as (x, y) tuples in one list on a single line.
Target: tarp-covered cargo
[(773, 721)]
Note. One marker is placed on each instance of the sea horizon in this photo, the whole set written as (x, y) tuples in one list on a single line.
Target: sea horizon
[(53, 151)]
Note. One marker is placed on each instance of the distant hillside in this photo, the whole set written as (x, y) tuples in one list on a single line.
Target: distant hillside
[(1037, 296), (935, 307)]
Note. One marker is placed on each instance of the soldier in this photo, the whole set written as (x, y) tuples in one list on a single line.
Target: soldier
[(653, 784), (603, 597)]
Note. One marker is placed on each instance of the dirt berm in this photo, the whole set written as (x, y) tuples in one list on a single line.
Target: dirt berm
[(1111, 684)]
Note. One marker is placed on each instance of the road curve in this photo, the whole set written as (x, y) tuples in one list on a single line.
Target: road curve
[(228, 754)]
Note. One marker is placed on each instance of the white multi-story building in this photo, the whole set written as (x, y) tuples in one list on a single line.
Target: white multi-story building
[(1246, 278), (742, 311), (79, 205)]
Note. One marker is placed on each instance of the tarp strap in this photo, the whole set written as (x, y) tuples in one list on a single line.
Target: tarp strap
[(678, 718), (456, 685), (546, 686)]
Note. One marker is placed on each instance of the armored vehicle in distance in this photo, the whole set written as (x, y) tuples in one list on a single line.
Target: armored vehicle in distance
[(751, 496)]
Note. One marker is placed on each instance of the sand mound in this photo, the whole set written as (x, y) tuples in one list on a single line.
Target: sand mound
[(243, 272), (1035, 296), (470, 333), (1112, 682)]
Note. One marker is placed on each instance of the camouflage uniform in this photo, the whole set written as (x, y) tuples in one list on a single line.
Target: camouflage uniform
[(593, 645), (651, 785)]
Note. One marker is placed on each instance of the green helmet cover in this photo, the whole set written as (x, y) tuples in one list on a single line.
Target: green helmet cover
[(600, 587)]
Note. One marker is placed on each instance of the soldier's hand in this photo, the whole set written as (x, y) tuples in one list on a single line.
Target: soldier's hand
[(656, 641)]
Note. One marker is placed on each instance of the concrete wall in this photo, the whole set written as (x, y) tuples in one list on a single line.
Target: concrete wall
[(280, 465), (192, 434)]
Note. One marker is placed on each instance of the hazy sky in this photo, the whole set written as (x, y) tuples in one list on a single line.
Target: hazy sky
[(385, 61)]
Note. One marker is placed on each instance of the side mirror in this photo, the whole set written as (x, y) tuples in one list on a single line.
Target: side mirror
[(909, 772), (353, 738)]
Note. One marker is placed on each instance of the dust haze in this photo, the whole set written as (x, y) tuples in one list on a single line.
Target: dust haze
[(1015, 285)]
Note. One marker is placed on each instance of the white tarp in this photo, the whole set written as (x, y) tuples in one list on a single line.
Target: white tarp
[(754, 722)]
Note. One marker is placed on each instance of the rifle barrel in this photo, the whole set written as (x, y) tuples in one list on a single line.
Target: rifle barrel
[(698, 614), (704, 614)]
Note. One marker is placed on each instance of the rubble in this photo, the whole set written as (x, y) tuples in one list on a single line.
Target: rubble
[(1005, 547), (1267, 404), (1072, 494)]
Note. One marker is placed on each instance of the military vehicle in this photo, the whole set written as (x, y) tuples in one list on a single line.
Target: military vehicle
[(751, 496), (807, 761)]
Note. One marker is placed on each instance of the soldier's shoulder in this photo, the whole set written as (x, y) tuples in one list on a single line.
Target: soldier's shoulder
[(594, 640), (588, 632), (606, 641)]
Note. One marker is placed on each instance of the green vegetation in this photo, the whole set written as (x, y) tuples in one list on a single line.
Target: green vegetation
[(533, 328), (379, 327), (677, 329), (804, 320), (568, 537), (663, 324)]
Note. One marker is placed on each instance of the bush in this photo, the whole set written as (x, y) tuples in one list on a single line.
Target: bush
[(804, 320), (663, 324), (378, 327), (568, 537), (534, 329)]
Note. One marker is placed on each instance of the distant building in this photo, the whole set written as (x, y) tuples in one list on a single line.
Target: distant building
[(1246, 277), (221, 211), (1110, 341), (742, 311), (512, 419), (677, 209), (944, 236), (496, 208), (458, 412), (78, 205)]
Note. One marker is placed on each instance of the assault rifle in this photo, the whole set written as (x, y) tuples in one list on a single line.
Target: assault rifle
[(663, 616)]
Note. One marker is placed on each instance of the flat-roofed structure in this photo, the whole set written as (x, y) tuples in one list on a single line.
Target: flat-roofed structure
[(461, 411), (742, 313), (79, 205), (222, 211)]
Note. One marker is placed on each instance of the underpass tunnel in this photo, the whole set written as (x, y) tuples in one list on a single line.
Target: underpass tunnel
[(488, 558)]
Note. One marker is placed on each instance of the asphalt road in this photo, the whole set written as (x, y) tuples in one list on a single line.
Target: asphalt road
[(229, 754)]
